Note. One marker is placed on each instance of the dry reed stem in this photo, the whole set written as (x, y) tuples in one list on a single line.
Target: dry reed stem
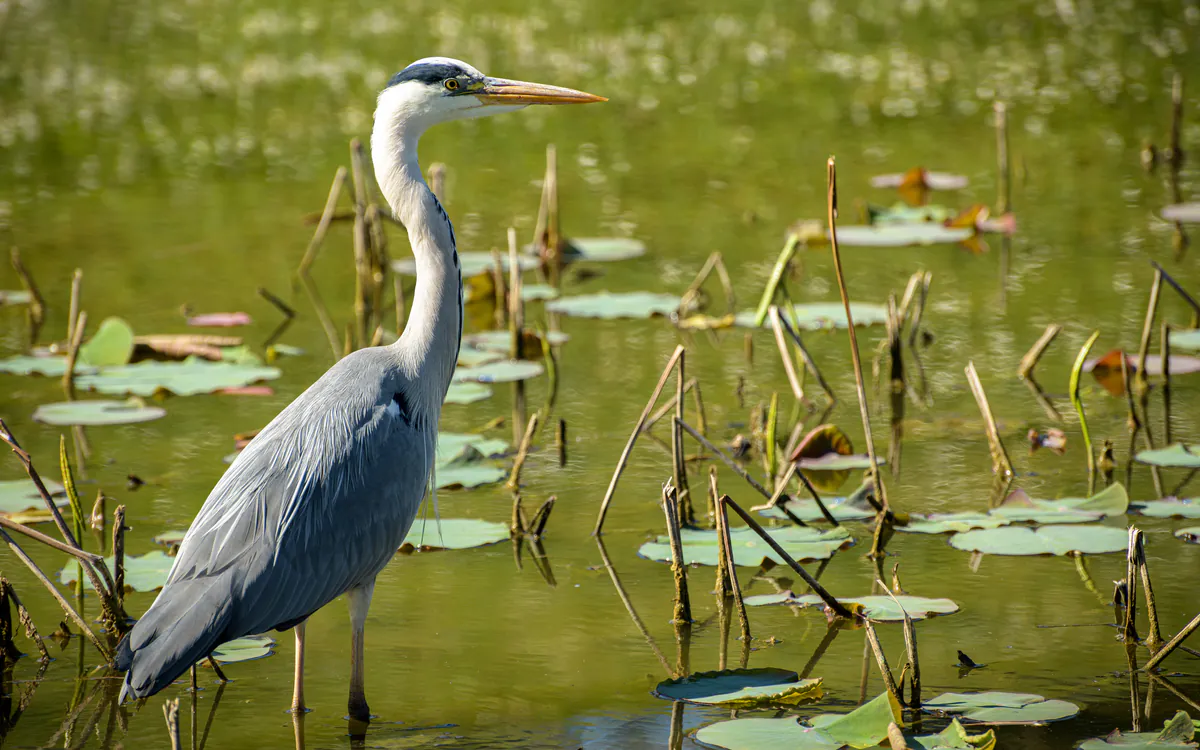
[(864, 411), (809, 362), (896, 739), (789, 367), (735, 586), (171, 714), (683, 495), (73, 306), (514, 479), (68, 379), (915, 328), (38, 536), (37, 305), (1178, 288), (1173, 644), (1077, 402), (1129, 628), (1000, 462), (1147, 328), (541, 517), (560, 441), (1031, 358), (1164, 339), (637, 429), (118, 548), (31, 632), (667, 407), (1155, 638), (310, 255), (881, 660), (683, 604)]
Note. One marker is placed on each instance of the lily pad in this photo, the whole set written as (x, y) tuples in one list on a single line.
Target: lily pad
[(852, 508), (469, 356), (953, 737), (538, 292), (470, 263), (250, 648), (220, 320), (1186, 213), (620, 305), (15, 297), (1171, 507), (741, 688), (501, 341), (187, 378), (902, 235), (1188, 340), (100, 412), (452, 446), (930, 180), (1019, 507), (749, 550), (1189, 534), (1056, 539), (604, 249), (504, 371), (146, 572), (902, 213), (1178, 732), (945, 523), (467, 393), (865, 726), (427, 534), (1177, 455), (818, 316), (50, 366), (110, 346), (171, 540), (19, 495), (1002, 708), (880, 608), (469, 474)]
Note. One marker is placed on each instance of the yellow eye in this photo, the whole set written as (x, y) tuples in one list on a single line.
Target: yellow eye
[(451, 84)]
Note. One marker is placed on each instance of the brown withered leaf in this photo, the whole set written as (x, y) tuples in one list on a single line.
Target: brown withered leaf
[(184, 345)]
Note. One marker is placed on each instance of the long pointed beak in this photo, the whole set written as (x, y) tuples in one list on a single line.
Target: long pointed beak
[(504, 91)]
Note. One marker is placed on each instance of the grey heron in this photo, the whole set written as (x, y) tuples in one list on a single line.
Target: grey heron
[(318, 503)]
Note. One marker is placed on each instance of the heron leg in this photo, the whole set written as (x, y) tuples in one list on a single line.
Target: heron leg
[(359, 599), (298, 706)]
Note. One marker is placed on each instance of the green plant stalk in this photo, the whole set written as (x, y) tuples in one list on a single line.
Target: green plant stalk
[(781, 264), (772, 425), (68, 477), (1073, 390)]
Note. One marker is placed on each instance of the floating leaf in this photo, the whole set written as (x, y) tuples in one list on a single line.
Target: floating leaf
[(1044, 540), (146, 572), (100, 412), (1189, 534), (538, 292), (15, 297), (901, 213), (802, 543), (171, 540), (1188, 340), (1018, 507), (1177, 455), (501, 341), (469, 356), (902, 235), (470, 263), (1186, 213), (1178, 732), (880, 608), (468, 475), (467, 393), (220, 320), (1107, 369), (1171, 507), (619, 305), (110, 346), (817, 316), (930, 180), (953, 737), (183, 345), (452, 533), (945, 523), (504, 371), (187, 378), (243, 649), (853, 508), (741, 688), (603, 249), (50, 366), (865, 726), (451, 446), (821, 451), (18, 495), (1002, 708)]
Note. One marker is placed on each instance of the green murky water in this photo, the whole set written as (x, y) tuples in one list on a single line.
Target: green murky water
[(170, 149)]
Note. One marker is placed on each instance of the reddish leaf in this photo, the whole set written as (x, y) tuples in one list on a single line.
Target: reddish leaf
[(220, 320), (249, 390)]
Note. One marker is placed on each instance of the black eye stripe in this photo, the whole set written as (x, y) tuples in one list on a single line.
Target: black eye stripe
[(428, 73)]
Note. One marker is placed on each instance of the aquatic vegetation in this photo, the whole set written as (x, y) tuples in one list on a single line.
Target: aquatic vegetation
[(865, 726), (97, 412), (1189, 534), (190, 377), (881, 608), (1001, 708), (504, 371), (219, 320), (700, 546), (819, 316), (21, 502), (428, 534), (741, 688), (616, 305), (110, 346), (146, 572), (467, 393), (249, 648), (1171, 507), (1177, 455), (1056, 539)]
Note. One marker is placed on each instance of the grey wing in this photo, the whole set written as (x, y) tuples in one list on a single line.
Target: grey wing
[(316, 504)]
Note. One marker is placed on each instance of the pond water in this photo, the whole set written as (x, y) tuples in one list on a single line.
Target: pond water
[(171, 149)]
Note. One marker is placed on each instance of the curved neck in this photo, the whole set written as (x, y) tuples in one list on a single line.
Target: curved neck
[(427, 350)]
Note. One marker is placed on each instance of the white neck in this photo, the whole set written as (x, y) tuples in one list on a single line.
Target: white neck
[(427, 350)]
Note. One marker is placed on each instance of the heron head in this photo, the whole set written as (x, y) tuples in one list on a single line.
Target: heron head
[(438, 89)]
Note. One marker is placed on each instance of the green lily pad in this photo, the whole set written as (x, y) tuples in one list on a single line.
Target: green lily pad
[(841, 508), (902, 235), (1055, 539), (100, 412), (146, 572), (452, 446), (467, 393), (538, 292), (1178, 732), (51, 366), (171, 540), (187, 378), (468, 475), (470, 264), (1171, 507), (619, 305), (427, 534), (111, 345), (865, 726), (838, 462), (1189, 534), (250, 648), (953, 737), (902, 213), (1185, 213), (749, 550), (1002, 708), (17, 495), (945, 523), (15, 297), (604, 249), (1188, 340), (1173, 456), (880, 608), (501, 341), (818, 316), (504, 371), (741, 688), (1019, 507), (469, 356)]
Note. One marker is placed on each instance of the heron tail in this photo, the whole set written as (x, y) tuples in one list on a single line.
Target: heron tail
[(185, 623)]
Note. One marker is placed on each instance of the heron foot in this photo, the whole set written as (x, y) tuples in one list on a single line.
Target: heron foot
[(358, 708)]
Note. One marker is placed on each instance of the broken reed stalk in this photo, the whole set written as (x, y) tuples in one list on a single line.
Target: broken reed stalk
[(73, 307), (683, 604), (7, 594), (915, 328), (1175, 157), (895, 737), (809, 362), (310, 255), (735, 586), (1129, 628), (68, 379), (49, 541), (723, 586), (1155, 638), (667, 407), (537, 526), (1030, 360), (913, 668), (725, 457), (1178, 288), (1135, 424), (289, 315), (698, 401), (910, 291), (1000, 462), (1173, 644), (776, 500), (881, 660), (713, 262), (682, 494), (1073, 391), (1164, 341), (1147, 329), (1003, 171), (118, 548), (781, 264), (37, 305), (560, 441), (637, 430), (171, 714), (830, 601), (789, 367), (864, 411), (514, 478)]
